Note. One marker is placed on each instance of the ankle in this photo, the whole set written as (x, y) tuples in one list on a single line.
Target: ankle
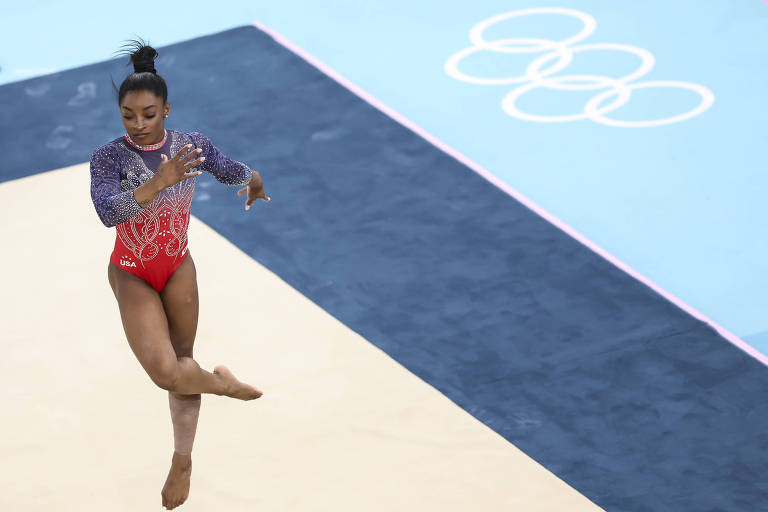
[(183, 460)]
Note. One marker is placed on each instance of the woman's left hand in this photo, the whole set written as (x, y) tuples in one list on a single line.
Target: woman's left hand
[(255, 190)]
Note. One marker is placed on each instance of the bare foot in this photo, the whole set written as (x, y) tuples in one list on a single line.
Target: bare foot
[(233, 387), (176, 488)]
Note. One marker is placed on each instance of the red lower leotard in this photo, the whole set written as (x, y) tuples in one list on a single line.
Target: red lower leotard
[(152, 244)]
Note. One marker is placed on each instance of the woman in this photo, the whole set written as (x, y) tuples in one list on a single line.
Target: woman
[(143, 183)]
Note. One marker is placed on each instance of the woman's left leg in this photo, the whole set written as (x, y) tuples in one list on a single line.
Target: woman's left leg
[(180, 301)]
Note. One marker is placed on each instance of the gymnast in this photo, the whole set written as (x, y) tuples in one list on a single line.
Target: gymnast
[(142, 183)]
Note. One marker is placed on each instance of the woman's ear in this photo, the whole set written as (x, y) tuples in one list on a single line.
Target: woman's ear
[(167, 109)]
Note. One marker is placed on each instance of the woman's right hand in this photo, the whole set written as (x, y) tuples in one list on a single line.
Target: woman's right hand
[(172, 171)]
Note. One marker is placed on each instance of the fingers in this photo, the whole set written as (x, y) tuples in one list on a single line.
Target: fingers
[(249, 202), (189, 156), (188, 175), (183, 157), (190, 165), (163, 159), (259, 195), (183, 150)]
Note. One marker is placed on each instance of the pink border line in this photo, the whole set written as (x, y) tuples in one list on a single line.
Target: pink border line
[(743, 345)]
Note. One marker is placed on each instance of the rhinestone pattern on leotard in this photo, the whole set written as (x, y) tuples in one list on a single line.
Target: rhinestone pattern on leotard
[(117, 169), (162, 225)]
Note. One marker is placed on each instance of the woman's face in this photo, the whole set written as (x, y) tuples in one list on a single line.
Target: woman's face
[(143, 116)]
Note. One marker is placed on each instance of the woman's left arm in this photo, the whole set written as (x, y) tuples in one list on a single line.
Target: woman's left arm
[(228, 171), (225, 170)]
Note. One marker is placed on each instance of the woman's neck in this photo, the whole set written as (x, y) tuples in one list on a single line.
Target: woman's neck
[(148, 147)]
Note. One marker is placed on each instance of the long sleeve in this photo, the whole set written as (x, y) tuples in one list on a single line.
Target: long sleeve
[(225, 170), (112, 205)]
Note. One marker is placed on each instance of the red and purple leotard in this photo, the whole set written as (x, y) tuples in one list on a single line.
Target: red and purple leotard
[(151, 242)]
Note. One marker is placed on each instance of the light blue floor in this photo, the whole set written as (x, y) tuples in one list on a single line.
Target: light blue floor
[(683, 204)]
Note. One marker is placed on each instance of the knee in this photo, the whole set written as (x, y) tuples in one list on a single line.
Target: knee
[(165, 374)]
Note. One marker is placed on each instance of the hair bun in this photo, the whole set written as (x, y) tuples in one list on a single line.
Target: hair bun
[(141, 67), (142, 56), (144, 76)]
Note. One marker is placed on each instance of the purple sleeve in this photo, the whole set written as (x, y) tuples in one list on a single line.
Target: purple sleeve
[(225, 170), (112, 205)]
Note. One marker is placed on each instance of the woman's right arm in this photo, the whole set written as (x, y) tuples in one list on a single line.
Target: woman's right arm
[(112, 205)]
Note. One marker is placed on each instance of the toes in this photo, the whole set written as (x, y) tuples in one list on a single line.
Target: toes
[(168, 504)]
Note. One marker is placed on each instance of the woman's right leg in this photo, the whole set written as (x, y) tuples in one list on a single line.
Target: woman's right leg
[(146, 327)]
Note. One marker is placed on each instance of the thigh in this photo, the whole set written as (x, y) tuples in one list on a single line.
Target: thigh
[(180, 301), (144, 321)]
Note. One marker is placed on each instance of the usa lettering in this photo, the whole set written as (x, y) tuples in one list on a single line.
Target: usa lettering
[(127, 263)]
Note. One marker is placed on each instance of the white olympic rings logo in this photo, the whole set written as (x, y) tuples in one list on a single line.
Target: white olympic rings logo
[(539, 73)]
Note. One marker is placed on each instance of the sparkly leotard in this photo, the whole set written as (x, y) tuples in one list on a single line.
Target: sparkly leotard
[(151, 242)]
